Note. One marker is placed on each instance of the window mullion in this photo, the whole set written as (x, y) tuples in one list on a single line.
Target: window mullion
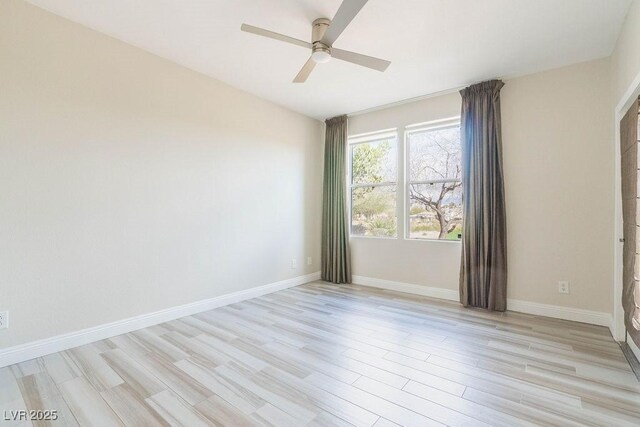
[(434, 181), (373, 184), (400, 193)]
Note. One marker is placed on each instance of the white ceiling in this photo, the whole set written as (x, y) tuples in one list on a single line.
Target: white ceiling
[(434, 45)]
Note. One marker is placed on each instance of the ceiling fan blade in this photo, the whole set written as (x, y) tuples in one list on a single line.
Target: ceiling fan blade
[(345, 14), (277, 36), (307, 68), (360, 59)]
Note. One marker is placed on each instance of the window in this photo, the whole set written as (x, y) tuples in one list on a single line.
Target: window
[(373, 165), (434, 189), (427, 167)]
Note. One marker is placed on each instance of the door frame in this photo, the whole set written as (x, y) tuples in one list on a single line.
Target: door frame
[(617, 326)]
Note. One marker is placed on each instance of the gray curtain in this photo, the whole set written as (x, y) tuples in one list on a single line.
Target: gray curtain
[(336, 257), (629, 184), (483, 270)]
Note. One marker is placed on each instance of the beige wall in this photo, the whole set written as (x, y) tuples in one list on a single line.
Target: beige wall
[(625, 60), (558, 164), (129, 184)]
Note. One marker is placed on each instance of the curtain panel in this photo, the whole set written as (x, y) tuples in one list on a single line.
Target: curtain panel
[(336, 257), (483, 270), (629, 188)]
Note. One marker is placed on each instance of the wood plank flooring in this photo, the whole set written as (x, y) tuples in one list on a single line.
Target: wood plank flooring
[(327, 355)]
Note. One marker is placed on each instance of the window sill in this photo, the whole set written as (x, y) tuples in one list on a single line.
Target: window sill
[(372, 237), (433, 240), (404, 239)]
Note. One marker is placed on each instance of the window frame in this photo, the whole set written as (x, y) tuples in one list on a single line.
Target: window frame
[(408, 130), (365, 138)]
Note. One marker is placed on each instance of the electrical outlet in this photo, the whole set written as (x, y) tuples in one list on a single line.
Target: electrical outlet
[(294, 263), (563, 287), (309, 260), (4, 319)]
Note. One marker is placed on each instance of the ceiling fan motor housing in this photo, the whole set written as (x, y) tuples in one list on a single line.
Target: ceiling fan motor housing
[(319, 27), (320, 51)]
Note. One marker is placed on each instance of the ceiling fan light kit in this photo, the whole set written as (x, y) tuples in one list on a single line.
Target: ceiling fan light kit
[(321, 54), (324, 33)]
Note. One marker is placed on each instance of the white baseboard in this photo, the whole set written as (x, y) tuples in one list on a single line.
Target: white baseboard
[(560, 312), (538, 309), (634, 348), (31, 350), (410, 288)]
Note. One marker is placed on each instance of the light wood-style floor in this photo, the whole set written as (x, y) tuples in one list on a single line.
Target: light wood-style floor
[(321, 354)]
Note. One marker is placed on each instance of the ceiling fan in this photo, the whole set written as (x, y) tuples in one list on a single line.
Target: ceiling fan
[(324, 33)]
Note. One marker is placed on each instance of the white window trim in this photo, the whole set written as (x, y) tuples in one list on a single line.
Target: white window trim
[(372, 136), (408, 130)]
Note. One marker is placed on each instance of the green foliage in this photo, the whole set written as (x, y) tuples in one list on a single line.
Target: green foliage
[(373, 212), (454, 234), (382, 226), (424, 227), (417, 209), (367, 162), (367, 203), (373, 208)]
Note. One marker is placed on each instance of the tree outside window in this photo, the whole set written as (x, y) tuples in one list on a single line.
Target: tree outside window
[(434, 186)]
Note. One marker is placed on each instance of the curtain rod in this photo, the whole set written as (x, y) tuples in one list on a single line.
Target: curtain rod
[(405, 101), (415, 99)]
